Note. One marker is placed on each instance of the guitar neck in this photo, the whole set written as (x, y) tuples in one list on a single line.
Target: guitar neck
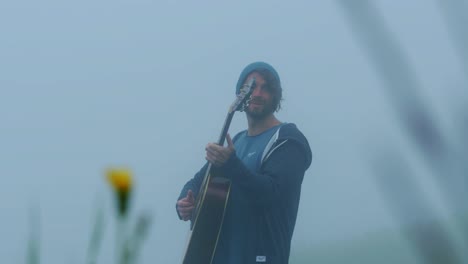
[(242, 97), (222, 138), (224, 131)]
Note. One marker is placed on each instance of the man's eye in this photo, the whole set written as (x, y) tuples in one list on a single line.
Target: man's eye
[(267, 88)]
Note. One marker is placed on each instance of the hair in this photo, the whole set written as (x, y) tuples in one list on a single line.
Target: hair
[(273, 85)]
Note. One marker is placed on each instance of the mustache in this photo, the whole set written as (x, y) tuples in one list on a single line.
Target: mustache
[(256, 100)]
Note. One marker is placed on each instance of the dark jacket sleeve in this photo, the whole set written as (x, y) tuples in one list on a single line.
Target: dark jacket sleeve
[(193, 184), (281, 174)]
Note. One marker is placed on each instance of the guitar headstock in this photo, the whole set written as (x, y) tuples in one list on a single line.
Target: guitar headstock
[(243, 96)]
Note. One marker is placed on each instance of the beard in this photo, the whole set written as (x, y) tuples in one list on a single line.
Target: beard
[(260, 111)]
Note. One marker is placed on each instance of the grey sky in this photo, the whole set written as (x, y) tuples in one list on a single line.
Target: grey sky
[(146, 84)]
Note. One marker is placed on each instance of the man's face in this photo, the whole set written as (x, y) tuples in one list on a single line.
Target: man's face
[(261, 103)]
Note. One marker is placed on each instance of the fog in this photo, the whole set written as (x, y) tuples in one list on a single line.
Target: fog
[(147, 84)]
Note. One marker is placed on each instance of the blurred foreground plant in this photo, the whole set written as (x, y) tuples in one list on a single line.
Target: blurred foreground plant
[(96, 237), (33, 251), (128, 244), (121, 181)]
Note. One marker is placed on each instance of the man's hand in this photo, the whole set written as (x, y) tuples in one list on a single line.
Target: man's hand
[(218, 155), (185, 206)]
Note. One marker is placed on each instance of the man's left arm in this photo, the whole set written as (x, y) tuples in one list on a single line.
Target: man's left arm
[(281, 174)]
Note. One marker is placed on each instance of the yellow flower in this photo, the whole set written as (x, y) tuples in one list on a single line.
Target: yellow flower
[(121, 181)]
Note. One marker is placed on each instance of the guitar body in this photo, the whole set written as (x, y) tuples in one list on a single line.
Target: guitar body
[(208, 222)]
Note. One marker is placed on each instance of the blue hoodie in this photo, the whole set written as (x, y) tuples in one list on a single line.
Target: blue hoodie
[(273, 192)]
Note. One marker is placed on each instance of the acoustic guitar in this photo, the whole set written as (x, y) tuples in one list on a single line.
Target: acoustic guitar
[(212, 198)]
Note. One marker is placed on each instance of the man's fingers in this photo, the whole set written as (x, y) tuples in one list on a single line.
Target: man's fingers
[(188, 200), (185, 206), (218, 155), (212, 149), (185, 213), (229, 140), (210, 156), (185, 217), (185, 210), (190, 197), (213, 159), (184, 203)]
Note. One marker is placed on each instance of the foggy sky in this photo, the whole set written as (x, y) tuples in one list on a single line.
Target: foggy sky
[(146, 84)]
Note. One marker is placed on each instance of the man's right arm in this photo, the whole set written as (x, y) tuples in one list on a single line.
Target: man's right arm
[(193, 185)]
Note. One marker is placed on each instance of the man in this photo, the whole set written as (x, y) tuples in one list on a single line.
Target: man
[(266, 165)]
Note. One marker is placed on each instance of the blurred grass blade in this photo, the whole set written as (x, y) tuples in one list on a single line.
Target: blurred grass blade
[(133, 243), (454, 14), (140, 233), (404, 90), (96, 236), (33, 250), (417, 219)]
